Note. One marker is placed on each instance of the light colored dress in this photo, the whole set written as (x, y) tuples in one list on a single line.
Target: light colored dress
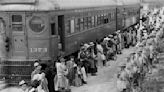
[(99, 55), (43, 87), (84, 74), (60, 80)]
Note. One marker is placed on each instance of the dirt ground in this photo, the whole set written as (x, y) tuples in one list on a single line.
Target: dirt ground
[(105, 81)]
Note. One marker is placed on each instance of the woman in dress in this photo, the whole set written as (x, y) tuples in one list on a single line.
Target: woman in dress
[(78, 75), (91, 59), (61, 82), (71, 72), (40, 76), (100, 53)]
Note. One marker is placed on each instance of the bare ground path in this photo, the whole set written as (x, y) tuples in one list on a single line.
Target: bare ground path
[(105, 81)]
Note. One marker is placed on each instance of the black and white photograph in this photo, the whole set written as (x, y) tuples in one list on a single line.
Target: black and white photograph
[(81, 45)]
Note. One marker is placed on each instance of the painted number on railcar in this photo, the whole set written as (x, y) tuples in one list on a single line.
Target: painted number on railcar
[(42, 50)]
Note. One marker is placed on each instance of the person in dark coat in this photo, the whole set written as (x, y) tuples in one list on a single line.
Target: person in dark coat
[(50, 72)]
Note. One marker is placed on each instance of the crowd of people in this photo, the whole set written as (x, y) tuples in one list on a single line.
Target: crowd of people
[(74, 71), (140, 63), (92, 56)]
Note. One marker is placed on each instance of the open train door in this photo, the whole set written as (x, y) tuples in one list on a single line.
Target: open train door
[(61, 32)]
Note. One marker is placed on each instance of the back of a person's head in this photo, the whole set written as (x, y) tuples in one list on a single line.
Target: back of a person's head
[(44, 66)]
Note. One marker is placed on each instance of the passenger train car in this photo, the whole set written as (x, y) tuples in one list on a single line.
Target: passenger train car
[(153, 3), (39, 29), (128, 13)]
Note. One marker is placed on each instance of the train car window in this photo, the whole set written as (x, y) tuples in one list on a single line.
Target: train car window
[(131, 13), (102, 19), (104, 22), (96, 21), (105, 18), (37, 24), (109, 15), (81, 24), (113, 15), (77, 25), (85, 23), (138, 11), (89, 22), (16, 18), (93, 21), (67, 26), (72, 26), (118, 11), (17, 23), (17, 27), (53, 29)]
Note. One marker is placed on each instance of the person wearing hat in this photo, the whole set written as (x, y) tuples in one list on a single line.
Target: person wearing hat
[(81, 53), (23, 86), (129, 38), (100, 54), (122, 81), (37, 69), (139, 35), (134, 37), (110, 36), (119, 41), (60, 80), (91, 44), (70, 64)]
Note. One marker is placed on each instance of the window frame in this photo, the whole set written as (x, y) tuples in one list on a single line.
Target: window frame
[(72, 26), (81, 24), (93, 21), (67, 26), (17, 23), (85, 23), (77, 24), (54, 27), (89, 22)]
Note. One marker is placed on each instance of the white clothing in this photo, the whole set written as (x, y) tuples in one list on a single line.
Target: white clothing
[(84, 74), (99, 48)]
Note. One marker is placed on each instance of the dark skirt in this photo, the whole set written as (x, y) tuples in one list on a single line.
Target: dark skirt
[(71, 75), (78, 80), (86, 65)]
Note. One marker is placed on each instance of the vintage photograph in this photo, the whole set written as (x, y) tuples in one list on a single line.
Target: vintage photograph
[(81, 45)]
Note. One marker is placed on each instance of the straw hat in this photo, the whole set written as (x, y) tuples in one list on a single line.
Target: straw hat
[(91, 43), (86, 45), (36, 64), (106, 39), (118, 31), (110, 35), (22, 83), (62, 60)]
